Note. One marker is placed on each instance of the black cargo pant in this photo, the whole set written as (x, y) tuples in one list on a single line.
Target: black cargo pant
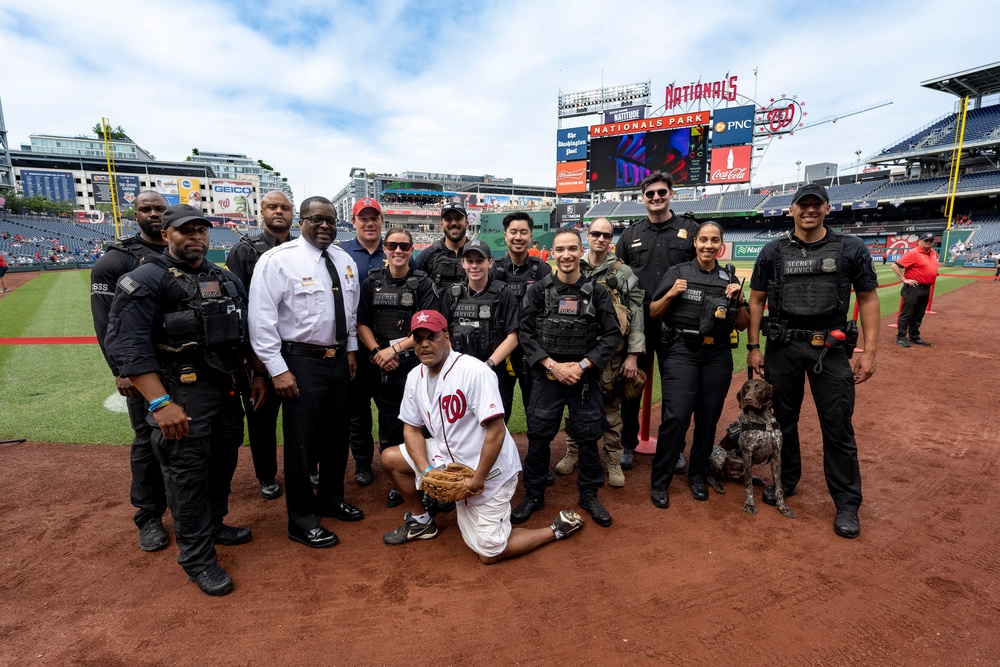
[(362, 389), (148, 493), (786, 367), (631, 407), (699, 379), (198, 468), (388, 393), (262, 430), (585, 422)]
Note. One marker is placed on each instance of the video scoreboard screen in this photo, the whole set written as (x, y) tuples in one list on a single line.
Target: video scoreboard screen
[(622, 162)]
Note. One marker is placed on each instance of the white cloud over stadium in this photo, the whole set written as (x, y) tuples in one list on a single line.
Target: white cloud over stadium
[(316, 88)]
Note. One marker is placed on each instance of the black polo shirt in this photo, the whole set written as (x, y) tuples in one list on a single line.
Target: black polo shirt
[(650, 249)]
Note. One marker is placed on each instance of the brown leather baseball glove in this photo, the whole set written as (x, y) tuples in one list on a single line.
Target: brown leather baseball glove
[(448, 485)]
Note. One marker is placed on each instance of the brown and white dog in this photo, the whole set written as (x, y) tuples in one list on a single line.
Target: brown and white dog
[(754, 438)]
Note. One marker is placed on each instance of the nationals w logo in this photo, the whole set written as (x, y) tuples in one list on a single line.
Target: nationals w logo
[(453, 406)]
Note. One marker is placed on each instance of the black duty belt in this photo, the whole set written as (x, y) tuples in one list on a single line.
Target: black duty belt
[(814, 338), (310, 350)]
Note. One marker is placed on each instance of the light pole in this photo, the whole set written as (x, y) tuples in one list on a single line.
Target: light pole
[(798, 163), (857, 170)]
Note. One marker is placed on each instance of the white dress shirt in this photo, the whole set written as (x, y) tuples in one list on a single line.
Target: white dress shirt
[(291, 299)]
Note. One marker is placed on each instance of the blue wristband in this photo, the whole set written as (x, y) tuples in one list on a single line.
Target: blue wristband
[(158, 403), (427, 470)]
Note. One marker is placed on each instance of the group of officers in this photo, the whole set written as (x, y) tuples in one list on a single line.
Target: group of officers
[(318, 330)]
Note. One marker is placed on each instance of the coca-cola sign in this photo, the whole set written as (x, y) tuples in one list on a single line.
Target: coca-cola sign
[(730, 164)]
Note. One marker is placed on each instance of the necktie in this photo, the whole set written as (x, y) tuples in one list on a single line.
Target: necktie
[(338, 300)]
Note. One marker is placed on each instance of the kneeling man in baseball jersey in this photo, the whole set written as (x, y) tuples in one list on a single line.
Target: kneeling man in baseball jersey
[(456, 398)]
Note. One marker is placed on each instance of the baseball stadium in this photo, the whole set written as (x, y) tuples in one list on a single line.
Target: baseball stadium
[(704, 583)]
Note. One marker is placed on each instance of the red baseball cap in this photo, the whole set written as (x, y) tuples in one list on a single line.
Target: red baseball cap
[(431, 320), (364, 203)]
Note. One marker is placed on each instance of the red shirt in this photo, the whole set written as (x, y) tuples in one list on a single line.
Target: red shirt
[(919, 265)]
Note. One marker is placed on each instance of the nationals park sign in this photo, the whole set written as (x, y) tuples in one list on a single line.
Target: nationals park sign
[(748, 250)]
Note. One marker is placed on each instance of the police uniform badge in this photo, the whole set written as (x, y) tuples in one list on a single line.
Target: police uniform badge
[(406, 299), (682, 233), (484, 312), (829, 265)]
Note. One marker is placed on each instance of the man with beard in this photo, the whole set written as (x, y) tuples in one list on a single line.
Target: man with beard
[(147, 493), (442, 260), (177, 331), (303, 326), (262, 419)]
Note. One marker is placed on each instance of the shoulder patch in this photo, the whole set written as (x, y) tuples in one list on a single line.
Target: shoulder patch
[(128, 285)]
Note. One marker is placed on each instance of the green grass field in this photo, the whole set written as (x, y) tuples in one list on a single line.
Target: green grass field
[(56, 393)]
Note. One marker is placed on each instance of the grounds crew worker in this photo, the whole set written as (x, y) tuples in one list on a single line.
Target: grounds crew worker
[(569, 332), (147, 494), (482, 315), (918, 269), (178, 332), (805, 277), (520, 270), (262, 420), (442, 259), (389, 298), (650, 247), (699, 303), (612, 274)]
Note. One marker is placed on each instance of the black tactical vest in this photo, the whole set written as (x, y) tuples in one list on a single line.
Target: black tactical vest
[(809, 282), (258, 246), (568, 326), (475, 320), (703, 307), (519, 283), (444, 269), (393, 304), (136, 248), (210, 319)]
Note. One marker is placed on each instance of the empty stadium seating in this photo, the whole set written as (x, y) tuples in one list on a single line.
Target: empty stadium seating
[(980, 125)]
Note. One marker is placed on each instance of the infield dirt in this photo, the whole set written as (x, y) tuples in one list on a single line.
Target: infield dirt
[(700, 584)]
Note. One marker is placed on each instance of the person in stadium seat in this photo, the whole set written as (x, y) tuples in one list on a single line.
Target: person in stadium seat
[(147, 493), (805, 278), (615, 276), (441, 261), (262, 420), (650, 247), (917, 269), (303, 326), (177, 330), (3, 270)]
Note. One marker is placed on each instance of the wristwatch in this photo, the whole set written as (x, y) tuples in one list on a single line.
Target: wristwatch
[(584, 364), (753, 346), (489, 362), (375, 350)]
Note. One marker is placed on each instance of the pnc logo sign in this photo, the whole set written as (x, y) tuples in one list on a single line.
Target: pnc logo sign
[(732, 126)]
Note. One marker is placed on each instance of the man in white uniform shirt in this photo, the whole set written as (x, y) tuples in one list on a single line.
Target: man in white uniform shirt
[(303, 324), (456, 398)]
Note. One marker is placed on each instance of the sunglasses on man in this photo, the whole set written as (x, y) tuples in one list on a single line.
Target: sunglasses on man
[(662, 192)]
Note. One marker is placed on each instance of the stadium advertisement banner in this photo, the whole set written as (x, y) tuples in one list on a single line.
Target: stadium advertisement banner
[(167, 186), (570, 214), (420, 212), (864, 204), (571, 144), (189, 191), (128, 189), (52, 185), (622, 162), (571, 177), (731, 164), (651, 124), (731, 127), (624, 115), (748, 250), (232, 199), (772, 213)]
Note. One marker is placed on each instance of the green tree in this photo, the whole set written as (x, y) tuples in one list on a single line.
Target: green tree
[(195, 151), (116, 133)]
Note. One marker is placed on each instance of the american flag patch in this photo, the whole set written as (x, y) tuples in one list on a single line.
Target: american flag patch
[(128, 285)]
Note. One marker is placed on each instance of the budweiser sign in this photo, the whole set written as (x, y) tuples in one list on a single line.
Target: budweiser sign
[(730, 164), (722, 90)]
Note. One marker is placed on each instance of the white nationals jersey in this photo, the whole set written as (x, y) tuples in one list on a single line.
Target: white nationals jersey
[(465, 397)]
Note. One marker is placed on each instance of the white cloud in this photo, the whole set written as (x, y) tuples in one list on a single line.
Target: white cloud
[(316, 88)]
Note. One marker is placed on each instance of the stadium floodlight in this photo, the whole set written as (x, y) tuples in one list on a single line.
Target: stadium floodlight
[(603, 99)]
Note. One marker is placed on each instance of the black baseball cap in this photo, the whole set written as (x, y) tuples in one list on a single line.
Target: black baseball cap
[(476, 245), (178, 214), (812, 189), (928, 236), (454, 207)]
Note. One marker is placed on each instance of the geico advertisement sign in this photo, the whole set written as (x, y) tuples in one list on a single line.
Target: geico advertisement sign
[(232, 188)]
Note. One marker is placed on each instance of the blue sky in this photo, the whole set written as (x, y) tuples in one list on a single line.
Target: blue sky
[(315, 88)]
